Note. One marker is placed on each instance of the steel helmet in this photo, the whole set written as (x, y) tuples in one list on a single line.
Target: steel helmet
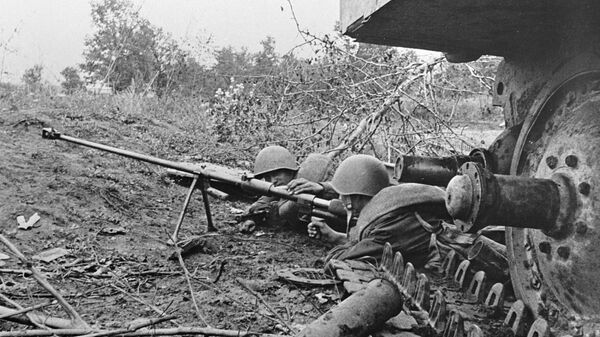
[(273, 158), (360, 174), (316, 167)]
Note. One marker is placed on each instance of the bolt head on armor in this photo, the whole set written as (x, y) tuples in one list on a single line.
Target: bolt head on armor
[(360, 174), (273, 158)]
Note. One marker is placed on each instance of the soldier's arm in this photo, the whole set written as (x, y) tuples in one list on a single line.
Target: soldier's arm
[(322, 189), (263, 203)]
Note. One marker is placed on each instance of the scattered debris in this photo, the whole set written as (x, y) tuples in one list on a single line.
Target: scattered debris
[(259, 234), (307, 276), (51, 254), (401, 322), (195, 245), (112, 231), (247, 226), (236, 211), (3, 257), (322, 298), (22, 224), (75, 318)]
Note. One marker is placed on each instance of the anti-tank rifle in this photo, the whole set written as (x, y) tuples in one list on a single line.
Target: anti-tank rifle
[(309, 204)]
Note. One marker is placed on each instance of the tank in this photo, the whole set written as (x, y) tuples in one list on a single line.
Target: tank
[(548, 86)]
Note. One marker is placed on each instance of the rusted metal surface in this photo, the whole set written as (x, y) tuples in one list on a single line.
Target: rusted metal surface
[(491, 257), (459, 312), (455, 325), (562, 138), (475, 289), (523, 83), (516, 317), (495, 299), (432, 170), (546, 44), (499, 154), (477, 198), (360, 314), (539, 328)]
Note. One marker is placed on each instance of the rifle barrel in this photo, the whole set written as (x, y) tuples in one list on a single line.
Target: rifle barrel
[(246, 183)]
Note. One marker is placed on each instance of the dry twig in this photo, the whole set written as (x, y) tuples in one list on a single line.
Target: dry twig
[(233, 299), (262, 300), (15, 271), (132, 327), (186, 273), (144, 332), (75, 317), (35, 318), (25, 310), (139, 300)]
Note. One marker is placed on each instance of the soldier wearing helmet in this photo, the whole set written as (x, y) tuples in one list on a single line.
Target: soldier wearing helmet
[(275, 164), (404, 215)]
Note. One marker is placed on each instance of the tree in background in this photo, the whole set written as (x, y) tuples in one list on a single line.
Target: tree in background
[(265, 60), (120, 51), (32, 77), (398, 102), (127, 51), (72, 81)]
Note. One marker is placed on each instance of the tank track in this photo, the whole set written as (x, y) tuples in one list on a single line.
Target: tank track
[(455, 302)]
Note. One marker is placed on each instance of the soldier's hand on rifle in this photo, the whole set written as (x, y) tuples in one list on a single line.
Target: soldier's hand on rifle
[(314, 231), (259, 207), (301, 185)]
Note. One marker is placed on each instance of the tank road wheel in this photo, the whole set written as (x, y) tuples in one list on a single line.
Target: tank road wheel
[(562, 139)]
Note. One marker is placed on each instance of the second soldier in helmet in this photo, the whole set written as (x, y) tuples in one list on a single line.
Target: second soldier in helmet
[(275, 164)]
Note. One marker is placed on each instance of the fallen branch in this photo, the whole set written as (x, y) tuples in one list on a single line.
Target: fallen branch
[(132, 327), (15, 271), (144, 332), (37, 319), (233, 299), (186, 273), (262, 300), (25, 310), (153, 273), (31, 318), (139, 300), (44, 283)]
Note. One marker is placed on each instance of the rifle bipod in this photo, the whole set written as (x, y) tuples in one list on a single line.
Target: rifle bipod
[(327, 209), (209, 223), (49, 133)]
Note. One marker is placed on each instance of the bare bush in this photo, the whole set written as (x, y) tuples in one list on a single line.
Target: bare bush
[(361, 98)]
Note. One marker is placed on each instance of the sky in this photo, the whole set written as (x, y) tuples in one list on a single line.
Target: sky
[(52, 32)]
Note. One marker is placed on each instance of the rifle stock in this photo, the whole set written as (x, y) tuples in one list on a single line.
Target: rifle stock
[(318, 206)]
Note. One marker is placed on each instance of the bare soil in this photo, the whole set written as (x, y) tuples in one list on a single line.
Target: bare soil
[(113, 278)]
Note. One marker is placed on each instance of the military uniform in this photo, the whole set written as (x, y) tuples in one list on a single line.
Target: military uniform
[(406, 216), (316, 168)]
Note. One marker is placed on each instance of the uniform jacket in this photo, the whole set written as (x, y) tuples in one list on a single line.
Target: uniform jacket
[(316, 168), (405, 215)]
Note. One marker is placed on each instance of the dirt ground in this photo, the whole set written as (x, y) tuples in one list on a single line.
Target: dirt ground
[(114, 216)]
